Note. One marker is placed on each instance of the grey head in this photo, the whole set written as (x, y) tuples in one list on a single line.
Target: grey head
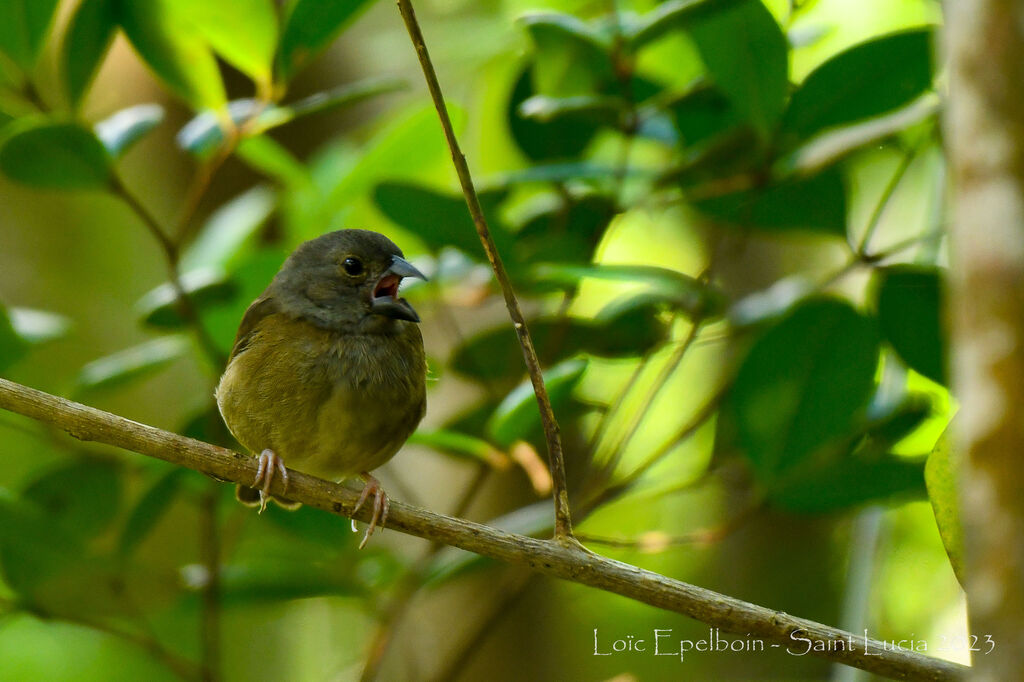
[(346, 281)]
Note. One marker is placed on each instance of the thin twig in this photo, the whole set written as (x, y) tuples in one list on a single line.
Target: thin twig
[(563, 519), (209, 545), (569, 561)]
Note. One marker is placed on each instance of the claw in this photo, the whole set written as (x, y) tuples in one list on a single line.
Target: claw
[(269, 466), (381, 506)]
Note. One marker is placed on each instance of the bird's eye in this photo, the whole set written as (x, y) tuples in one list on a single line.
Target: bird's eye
[(353, 266)]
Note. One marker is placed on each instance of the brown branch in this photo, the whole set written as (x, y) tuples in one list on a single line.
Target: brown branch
[(563, 520), (549, 557)]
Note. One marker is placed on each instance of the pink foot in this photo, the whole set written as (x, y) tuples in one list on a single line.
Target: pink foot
[(381, 505), (269, 465)]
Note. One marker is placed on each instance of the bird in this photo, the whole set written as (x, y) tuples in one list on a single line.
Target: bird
[(328, 371)]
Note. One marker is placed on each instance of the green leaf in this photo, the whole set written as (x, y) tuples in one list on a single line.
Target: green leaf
[(518, 417), (909, 302), (12, 345), (159, 306), (36, 326), (747, 57), (123, 129), (309, 27), (496, 355), (23, 28), (86, 43), (460, 445), (567, 232), (662, 285), (801, 386), (702, 113), (267, 156), (132, 363), (835, 484), (941, 474), (52, 155), (227, 233), (204, 133), (837, 143), (279, 578), (816, 204), (545, 140), (149, 509), (243, 32), (572, 58), (165, 38), (82, 496), (864, 81), (33, 549), (600, 110), (670, 16), (438, 219)]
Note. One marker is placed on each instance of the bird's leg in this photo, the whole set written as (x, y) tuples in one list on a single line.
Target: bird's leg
[(269, 465), (381, 505)]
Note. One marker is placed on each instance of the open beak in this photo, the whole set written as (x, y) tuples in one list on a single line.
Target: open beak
[(385, 299)]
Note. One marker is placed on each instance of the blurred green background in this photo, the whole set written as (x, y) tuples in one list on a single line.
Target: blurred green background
[(725, 221)]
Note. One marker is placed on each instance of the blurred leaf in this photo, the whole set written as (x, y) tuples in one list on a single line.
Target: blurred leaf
[(311, 25), (314, 526), (941, 474), (12, 345), (835, 484), (204, 133), (82, 496), (518, 418), (600, 110), (226, 233), (669, 16), (682, 292), (544, 141), (35, 326), (149, 509), (86, 43), (159, 306), (495, 354), (567, 233), (264, 155), (816, 203), (343, 95), (52, 155), (164, 37), (864, 81), (132, 363), (571, 57), (802, 384), (458, 444), (747, 57), (123, 129), (279, 579), (438, 219), (564, 172), (909, 303), (249, 277), (834, 145), (248, 46), (23, 28), (702, 113), (33, 548), (885, 430)]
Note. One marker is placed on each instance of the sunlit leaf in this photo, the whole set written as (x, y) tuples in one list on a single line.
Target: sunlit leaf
[(52, 155), (572, 58), (23, 28), (864, 81), (596, 109), (267, 156), (309, 27), (460, 445), (243, 32), (123, 129), (82, 496), (517, 417), (669, 16), (941, 474), (747, 57), (86, 44), (164, 37), (37, 326), (816, 204), (132, 363), (802, 384), (909, 303), (205, 285)]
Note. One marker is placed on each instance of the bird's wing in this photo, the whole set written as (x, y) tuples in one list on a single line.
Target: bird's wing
[(262, 307)]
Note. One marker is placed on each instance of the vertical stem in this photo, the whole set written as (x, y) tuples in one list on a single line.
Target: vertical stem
[(209, 549), (984, 41), (563, 521)]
